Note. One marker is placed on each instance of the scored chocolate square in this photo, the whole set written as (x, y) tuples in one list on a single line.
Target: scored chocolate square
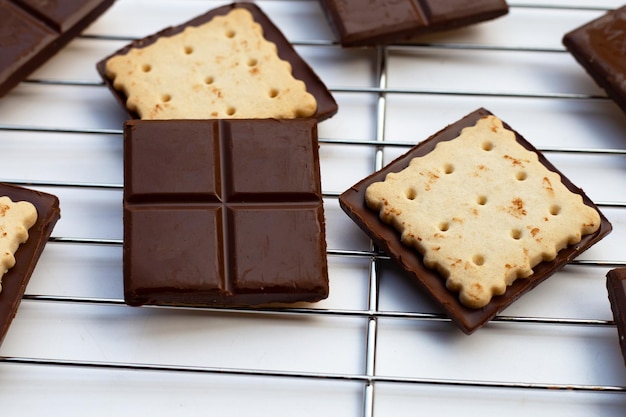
[(600, 48), (32, 31), (62, 15), (387, 238), (24, 40), (384, 21), (223, 212)]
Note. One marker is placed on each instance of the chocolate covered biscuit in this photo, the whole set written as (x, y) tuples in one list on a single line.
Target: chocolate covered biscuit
[(616, 287), (16, 278), (430, 275), (202, 76)]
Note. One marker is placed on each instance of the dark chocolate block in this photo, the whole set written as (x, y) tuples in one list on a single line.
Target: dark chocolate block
[(387, 238), (616, 287), (326, 105), (15, 280), (600, 47), (384, 21), (33, 31), (223, 212)]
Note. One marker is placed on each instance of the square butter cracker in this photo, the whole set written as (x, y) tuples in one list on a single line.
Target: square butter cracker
[(224, 68), (482, 210), (15, 220)]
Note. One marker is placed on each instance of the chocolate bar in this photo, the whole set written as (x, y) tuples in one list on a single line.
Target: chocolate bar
[(326, 105), (223, 213), (616, 287), (33, 31), (600, 48), (15, 280), (387, 238), (384, 22)]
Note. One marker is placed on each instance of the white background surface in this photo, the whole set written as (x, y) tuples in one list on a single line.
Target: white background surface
[(79, 351)]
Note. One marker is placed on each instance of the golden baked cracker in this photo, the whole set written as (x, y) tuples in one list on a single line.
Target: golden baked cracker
[(15, 220), (482, 210), (224, 68)]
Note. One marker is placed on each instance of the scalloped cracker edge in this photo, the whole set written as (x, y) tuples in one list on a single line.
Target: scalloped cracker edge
[(15, 220)]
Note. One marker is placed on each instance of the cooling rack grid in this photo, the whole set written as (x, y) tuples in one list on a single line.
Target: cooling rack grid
[(377, 346)]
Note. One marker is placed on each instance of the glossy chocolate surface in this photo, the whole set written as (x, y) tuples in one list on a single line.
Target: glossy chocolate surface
[(600, 47), (15, 280), (223, 213), (384, 21), (616, 287), (326, 105), (386, 237), (32, 31)]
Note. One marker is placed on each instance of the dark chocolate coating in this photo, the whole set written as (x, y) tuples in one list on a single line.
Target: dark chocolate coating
[(387, 238), (616, 288), (32, 31), (326, 104), (223, 212), (15, 280), (388, 21), (600, 47)]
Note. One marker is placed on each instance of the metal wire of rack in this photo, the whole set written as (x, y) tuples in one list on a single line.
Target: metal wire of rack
[(375, 388)]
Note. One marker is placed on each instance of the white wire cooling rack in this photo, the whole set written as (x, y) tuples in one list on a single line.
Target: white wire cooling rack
[(377, 346)]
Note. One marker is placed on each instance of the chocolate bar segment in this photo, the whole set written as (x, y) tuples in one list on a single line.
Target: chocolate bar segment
[(16, 279), (384, 21), (223, 213), (385, 236), (326, 104), (600, 48), (33, 31), (616, 287)]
